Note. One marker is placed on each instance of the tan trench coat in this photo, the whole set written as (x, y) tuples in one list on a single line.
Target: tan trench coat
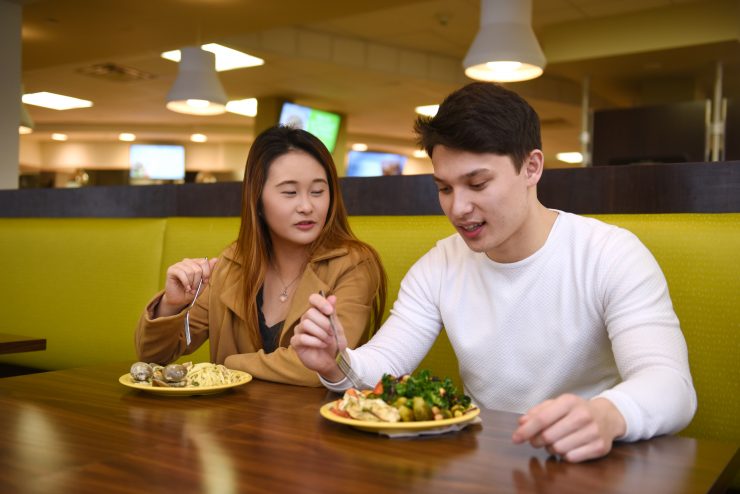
[(219, 317)]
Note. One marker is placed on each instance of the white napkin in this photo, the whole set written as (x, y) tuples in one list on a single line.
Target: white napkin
[(428, 432)]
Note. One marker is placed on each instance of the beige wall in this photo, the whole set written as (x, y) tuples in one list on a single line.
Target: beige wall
[(65, 156)]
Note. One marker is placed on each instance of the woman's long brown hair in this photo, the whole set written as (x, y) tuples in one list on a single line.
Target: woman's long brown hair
[(254, 247)]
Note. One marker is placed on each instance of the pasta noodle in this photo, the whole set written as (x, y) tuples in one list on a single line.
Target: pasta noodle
[(207, 374)]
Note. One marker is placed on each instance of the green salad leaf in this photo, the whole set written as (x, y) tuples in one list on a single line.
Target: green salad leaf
[(441, 393)]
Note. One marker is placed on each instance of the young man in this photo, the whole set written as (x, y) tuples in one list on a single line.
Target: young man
[(565, 319)]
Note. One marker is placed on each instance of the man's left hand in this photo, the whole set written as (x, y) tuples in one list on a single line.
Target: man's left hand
[(572, 427)]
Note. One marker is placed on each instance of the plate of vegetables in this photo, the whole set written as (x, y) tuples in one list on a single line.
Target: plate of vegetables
[(411, 404)]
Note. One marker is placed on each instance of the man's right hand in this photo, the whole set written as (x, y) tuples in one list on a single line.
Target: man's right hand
[(314, 342)]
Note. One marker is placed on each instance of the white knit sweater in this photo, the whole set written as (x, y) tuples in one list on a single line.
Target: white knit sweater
[(589, 313)]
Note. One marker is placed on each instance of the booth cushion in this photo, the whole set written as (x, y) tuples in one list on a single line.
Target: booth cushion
[(82, 284), (79, 283)]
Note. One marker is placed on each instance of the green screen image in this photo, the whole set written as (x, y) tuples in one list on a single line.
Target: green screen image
[(322, 124), (325, 126)]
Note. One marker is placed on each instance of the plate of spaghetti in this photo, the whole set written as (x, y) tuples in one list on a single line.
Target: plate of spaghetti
[(183, 379)]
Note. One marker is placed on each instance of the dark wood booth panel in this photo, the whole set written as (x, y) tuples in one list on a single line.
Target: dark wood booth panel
[(645, 188)]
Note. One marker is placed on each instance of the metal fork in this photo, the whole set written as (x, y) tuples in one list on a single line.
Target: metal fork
[(341, 359), (187, 314)]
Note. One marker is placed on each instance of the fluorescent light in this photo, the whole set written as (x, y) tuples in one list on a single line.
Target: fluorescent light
[(420, 153), (246, 107), (22, 129), (55, 101), (359, 146), (226, 58), (126, 137), (59, 137), (198, 138), (427, 110), (571, 157)]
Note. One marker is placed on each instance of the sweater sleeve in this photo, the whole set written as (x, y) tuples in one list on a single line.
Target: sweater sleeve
[(656, 394), (411, 329)]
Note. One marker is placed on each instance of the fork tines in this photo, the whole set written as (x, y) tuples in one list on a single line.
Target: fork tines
[(348, 371)]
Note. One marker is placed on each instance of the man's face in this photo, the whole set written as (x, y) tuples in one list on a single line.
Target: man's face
[(486, 200)]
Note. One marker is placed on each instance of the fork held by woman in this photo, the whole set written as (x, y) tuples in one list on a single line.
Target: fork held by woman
[(183, 284)]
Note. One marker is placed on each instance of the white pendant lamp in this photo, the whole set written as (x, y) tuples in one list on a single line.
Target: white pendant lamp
[(505, 48), (197, 89)]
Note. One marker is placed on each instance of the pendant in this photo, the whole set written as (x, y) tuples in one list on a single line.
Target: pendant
[(284, 296)]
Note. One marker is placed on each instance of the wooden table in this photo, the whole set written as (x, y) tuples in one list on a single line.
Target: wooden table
[(12, 343), (81, 431)]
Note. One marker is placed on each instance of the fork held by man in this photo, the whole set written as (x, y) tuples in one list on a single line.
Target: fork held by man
[(341, 358)]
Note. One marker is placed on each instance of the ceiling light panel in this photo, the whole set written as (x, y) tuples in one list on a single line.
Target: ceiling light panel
[(226, 58), (427, 110), (55, 101), (570, 157), (246, 107)]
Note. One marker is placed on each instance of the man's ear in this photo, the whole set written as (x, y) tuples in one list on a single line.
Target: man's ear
[(533, 166)]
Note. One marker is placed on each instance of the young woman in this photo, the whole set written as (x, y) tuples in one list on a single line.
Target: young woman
[(294, 240)]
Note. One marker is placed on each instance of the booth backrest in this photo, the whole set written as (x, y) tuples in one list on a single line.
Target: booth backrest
[(82, 284)]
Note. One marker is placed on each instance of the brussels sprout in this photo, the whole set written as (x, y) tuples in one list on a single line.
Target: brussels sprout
[(422, 411), (407, 415), (400, 402)]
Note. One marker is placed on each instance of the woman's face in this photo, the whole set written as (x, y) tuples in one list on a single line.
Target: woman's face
[(295, 199)]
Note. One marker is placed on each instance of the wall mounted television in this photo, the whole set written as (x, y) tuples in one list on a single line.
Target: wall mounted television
[(374, 164), (322, 124), (157, 161), (674, 133)]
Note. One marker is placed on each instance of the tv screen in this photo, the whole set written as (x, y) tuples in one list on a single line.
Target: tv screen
[(674, 133), (322, 124), (373, 164), (157, 161)]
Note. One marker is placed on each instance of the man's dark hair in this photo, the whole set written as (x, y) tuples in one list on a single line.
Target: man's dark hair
[(483, 117)]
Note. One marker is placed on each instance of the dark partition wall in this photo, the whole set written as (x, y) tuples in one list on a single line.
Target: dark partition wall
[(687, 187)]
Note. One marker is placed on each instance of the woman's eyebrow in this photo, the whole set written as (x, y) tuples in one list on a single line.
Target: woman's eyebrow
[(295, 182)]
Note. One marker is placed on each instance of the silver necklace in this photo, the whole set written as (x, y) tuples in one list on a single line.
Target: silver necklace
[(284, 292)]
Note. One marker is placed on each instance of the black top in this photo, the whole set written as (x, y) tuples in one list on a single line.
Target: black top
[(269, 334)]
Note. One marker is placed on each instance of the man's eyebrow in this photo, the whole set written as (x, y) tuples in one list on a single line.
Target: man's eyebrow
[(475, 172), (470, 174)]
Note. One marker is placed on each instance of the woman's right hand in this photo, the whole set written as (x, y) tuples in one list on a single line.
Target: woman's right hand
[(181, 283), (313, 340)]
